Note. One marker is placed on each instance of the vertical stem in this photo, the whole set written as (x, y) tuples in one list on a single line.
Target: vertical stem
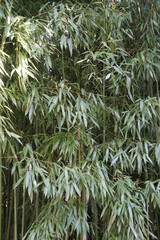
[(147, 221), (154, 119), (42, 196), (63, 74), (79, 149), (37, 194), (10, 215), (37, 206), (0, 193), (103, 94), (158, 100), (15, 207), (157, 141), (104, 91), (95, 218), (23, 214), (104, 115), (79, 163), (157, 224), (7, 204), (157, 89)]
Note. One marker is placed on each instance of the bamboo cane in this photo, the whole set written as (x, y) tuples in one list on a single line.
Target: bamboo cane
[(15, 207)]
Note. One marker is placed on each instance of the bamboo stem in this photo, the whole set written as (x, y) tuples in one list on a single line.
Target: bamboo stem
[(15, 207), (79, 149), (23, 214), (37, 206), (158, 226), (95, 217), (37, 193), (104, 116), (10, 215), (154, 119), (103, 94), (79, 163), (63, 73), (0, 192), (147, 221), (7, 204)]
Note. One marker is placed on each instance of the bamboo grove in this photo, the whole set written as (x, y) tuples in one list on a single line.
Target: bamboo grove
[(79, 120)]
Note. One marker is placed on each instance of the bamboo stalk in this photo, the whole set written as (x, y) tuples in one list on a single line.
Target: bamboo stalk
[(154, 119), (147, 221), (104, 110), (104, 115), (37, 194), (7, 204), (103, 94), (15, 207), (79, 149), (158, 226), (23, 214), (79, 163), (63, 73), (0, 192), (37, 206), (10, 216), (95, 219), (158, 100), (156, 123)]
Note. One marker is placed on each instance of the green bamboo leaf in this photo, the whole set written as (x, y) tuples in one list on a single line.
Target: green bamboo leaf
[(69, 40)]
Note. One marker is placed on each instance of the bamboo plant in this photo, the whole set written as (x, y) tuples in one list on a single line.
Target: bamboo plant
[(79, 120)]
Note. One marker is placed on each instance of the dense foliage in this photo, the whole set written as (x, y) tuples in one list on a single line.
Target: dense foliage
[(80, 120)]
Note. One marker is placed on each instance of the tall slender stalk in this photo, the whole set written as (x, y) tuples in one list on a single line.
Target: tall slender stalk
[(10, 217), (157, 224), (7, 203), (104, 114), (158, 100), (104, 110), (23, 214), (147, 221), (158, 142), (37, 194), (103, 92), (37, 205), (154, 118), (0, 192), (63, 73), (95, 219), (79, 164), (15, 207), (79, 149)]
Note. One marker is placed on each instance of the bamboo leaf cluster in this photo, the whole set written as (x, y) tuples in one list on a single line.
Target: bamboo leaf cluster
[(79, 120)]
